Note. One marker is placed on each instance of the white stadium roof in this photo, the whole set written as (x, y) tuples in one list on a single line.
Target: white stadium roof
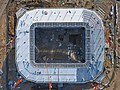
[(80, 73)]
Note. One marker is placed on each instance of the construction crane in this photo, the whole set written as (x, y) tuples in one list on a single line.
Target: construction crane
[(95, 87), (17, 83), (49, 82)]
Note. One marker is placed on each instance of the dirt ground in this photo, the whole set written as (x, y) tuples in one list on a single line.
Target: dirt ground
[(115, 85), (3, 4)]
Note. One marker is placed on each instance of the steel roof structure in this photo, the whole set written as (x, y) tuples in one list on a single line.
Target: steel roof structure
[(60, 72)]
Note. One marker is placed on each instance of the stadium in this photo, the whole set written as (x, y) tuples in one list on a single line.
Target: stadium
[(60, 45)]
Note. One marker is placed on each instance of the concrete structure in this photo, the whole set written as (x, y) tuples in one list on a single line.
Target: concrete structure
[(76, 56)]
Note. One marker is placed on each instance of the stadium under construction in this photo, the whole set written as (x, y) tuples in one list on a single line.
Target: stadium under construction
[(60, 45)]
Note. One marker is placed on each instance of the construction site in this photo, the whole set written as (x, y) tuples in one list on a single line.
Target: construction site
[(59, 44)]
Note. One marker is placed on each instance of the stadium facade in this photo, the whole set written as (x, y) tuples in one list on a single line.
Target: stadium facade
[(60, 45)]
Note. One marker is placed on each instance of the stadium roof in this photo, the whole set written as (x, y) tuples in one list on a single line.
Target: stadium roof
[(87, 71)]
